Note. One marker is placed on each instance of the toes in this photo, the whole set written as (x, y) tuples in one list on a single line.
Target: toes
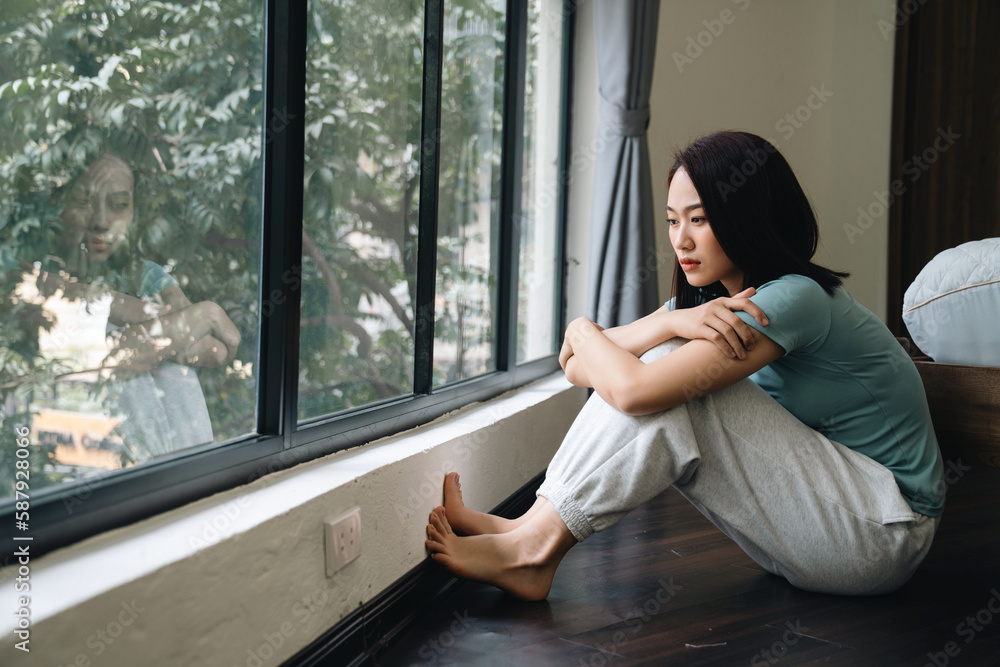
[(441, 558), (440, 522), (442, 516), (453, 493)]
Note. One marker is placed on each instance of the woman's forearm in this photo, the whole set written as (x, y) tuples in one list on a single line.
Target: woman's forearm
[(199, 335), (575, 373), (634, 338), (599, 360), (643, 334)]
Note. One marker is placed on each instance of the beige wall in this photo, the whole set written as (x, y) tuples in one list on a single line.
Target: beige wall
[(766, 62)]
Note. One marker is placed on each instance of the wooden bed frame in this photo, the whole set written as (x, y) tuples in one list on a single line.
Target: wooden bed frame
[(965, 408)]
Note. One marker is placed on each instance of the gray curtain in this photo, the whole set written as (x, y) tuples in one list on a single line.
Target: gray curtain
[(623, 285)]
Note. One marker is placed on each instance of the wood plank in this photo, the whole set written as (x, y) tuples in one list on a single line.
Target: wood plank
[(965, 407)]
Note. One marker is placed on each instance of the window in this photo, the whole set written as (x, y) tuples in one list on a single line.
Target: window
[(239, 235)]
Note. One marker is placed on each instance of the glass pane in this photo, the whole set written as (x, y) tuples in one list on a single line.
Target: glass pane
[(130, 198), (469, 189), (540, 182), (360, 203)]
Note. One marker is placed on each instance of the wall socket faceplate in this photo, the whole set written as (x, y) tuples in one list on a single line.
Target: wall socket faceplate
[(343, 540)]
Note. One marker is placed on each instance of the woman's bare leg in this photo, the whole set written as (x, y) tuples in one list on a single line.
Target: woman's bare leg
[(521, 561), (470, 522)]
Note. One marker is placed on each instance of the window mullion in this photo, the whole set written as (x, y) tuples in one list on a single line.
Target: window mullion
[(565, 139), (510, 203), (281, 247), (430, 141)]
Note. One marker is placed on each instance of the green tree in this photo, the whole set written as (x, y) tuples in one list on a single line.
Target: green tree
[(174, 87)]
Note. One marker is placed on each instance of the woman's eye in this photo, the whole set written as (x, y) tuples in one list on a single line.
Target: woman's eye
[(671, 222), (699, 219)]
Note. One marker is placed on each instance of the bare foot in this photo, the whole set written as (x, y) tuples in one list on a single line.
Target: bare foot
[(467, 521), (521, 562)]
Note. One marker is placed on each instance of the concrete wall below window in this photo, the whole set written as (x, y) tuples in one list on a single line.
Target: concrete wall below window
[(239, 578)]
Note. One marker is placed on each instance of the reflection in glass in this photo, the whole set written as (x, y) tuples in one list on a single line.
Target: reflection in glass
[(129, 216), (363, 101), (540, 183), (469, 190)]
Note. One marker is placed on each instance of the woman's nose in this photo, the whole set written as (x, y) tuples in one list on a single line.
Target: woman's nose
[(98, 218), (682, 239)]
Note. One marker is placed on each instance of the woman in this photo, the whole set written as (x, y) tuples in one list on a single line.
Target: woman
[(790, 416), (154, 333), (153, 321)]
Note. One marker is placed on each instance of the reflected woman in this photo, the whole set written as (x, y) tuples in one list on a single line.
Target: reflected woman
[(156, 320), (156, 334)]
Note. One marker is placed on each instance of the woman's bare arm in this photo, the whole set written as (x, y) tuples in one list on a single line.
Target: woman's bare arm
[(714, 321), (694, 370), (199, 334)]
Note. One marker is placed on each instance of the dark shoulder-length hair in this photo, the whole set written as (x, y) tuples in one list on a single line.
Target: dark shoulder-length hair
[(758, 212)]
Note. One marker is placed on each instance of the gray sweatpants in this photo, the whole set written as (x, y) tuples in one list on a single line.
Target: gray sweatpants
[(823, 516)]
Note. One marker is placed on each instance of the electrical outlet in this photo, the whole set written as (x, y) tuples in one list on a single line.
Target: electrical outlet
[(343, 540)]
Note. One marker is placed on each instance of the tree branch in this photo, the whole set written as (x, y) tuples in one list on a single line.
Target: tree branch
[(340, 319)]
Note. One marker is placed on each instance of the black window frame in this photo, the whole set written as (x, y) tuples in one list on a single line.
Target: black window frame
[(60, 516)]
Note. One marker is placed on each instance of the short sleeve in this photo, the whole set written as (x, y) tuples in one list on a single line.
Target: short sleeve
[(154, 280), (798, 312)]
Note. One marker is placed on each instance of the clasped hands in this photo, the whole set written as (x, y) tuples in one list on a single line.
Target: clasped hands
[(199, 334), (145, 334)]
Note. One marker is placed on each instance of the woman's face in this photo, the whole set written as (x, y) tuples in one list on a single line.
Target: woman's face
[(701, 257), (99, 208)]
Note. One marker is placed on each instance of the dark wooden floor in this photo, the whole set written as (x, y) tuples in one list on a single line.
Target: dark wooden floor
[(664, 586)]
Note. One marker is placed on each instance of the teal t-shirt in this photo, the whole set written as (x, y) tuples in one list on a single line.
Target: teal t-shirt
[(154, 280), (845, 375)]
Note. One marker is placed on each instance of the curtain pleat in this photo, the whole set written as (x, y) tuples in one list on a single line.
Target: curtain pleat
[(623, 284)]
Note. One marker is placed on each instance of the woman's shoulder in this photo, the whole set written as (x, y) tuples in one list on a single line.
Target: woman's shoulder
[(794, 282), (798, 309), (154, 279), (795, 289)]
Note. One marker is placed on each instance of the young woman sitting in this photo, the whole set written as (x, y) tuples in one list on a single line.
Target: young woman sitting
[(780, 407)]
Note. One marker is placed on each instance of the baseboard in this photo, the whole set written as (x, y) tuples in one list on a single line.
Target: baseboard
[(364, 633)]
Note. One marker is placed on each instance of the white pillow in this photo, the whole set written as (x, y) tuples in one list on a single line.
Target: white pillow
[(952, 309)]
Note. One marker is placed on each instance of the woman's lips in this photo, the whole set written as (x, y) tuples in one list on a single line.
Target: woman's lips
[(98, 244), (688, 264)]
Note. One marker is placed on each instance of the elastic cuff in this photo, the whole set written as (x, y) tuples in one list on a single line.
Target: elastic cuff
[(568, 510)]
